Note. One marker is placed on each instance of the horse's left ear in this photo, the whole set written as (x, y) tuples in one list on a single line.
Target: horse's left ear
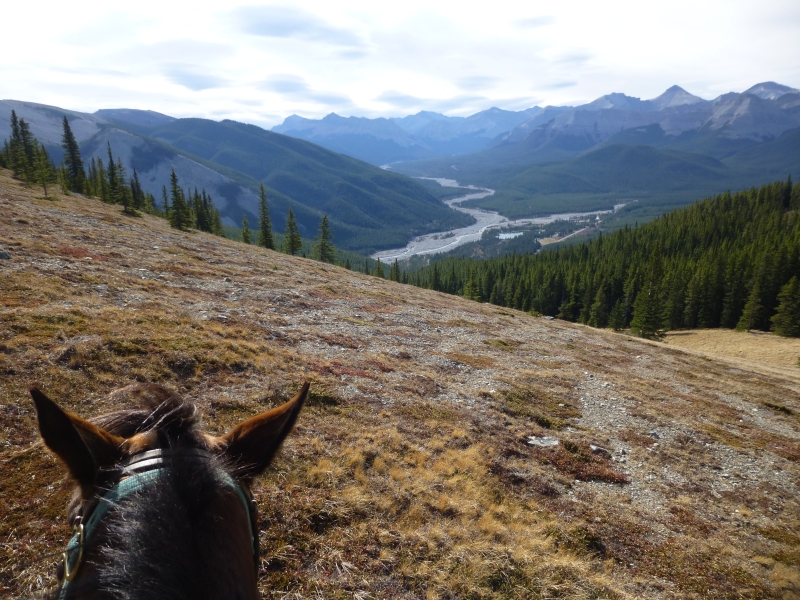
[(252, 444), (83, 446)]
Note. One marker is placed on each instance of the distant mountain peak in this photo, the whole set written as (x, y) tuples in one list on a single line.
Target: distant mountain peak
[(616, 100), (675, 96), (769, 90)]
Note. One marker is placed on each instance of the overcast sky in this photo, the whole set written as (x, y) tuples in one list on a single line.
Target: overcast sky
[(260, 62)]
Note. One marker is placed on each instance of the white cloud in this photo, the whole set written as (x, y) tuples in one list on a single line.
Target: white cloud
[(259, 61)]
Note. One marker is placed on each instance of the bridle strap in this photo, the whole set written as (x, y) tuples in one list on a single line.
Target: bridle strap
[(140, 472)]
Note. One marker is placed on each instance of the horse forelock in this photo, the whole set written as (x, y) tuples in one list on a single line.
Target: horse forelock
[(156, 408)]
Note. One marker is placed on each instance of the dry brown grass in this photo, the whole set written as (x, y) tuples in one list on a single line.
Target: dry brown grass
[(409, 475), (752, 348)]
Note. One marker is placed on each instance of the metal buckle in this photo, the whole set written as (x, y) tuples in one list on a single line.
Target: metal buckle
[(70, 575)]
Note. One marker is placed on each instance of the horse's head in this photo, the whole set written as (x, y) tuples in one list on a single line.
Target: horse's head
[(162, 509)]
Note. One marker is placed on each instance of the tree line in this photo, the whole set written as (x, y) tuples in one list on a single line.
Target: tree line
[(185, 209), (730, 261)]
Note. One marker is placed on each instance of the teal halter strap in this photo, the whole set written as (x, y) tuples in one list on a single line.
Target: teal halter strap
[(151, 461)]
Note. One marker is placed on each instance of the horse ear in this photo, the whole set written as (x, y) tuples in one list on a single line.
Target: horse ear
[(84, 447), (252, 444)]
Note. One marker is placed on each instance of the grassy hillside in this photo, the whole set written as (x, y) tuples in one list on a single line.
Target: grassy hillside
[(369, 208), (410, 474)]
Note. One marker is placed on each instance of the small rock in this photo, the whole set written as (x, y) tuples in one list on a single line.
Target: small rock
[(654, 435), (4, 255), (542, 442), (227, 279), (600, 451)]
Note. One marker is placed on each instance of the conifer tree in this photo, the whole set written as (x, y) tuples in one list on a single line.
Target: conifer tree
[(72, 159), (102, 181), (378, 272), (394, 272), (15, 148), (347, 264), (179, 215), (616, 319), (62, 178), (165, 201), (648, 309), (292, 243), (125, 195), (786, 321), (216, 222), (137, 193), (471, 287), (114, 184), (324, 250), (45, 171), (245, 230), (265, 237), (27, 152)]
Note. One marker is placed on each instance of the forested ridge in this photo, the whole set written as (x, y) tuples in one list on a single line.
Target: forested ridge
[(728, 261)]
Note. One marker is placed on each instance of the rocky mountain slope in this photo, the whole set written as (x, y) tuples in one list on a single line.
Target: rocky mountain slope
[(450, 449), (368, 208)]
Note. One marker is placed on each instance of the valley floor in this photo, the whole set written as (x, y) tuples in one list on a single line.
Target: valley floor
[(411, 473)]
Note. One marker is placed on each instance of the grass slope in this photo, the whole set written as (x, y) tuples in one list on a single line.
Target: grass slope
[(408, 475)]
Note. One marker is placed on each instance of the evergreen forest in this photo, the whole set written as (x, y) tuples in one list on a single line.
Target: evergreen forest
[(731, 261)]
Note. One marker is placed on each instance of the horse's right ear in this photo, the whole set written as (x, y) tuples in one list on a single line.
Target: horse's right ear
[(84, 447), (252, 444)]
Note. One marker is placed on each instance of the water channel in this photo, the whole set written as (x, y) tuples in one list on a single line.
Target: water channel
[(444, 241)]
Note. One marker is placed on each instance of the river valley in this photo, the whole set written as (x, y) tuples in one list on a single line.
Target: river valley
[(444, 241)]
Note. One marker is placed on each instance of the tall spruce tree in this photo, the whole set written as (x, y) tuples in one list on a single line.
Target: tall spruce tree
[(72, 159), (45, 171), (394, 272), (137, 193), (15, 152), (265, 237), (324, 250), (245, 230), (114, 184), (786, 320), (125, 195), (648, 309), (165, 201), (27, 152), (378, 272), (292, 243), (180, 216)]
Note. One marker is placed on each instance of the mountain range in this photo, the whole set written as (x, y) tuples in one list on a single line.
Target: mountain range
[(662, 152), (553, 132), (667, 151), (423, 135), (368, 208)]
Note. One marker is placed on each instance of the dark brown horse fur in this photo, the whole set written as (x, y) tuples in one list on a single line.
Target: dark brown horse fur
[(184, 537)]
